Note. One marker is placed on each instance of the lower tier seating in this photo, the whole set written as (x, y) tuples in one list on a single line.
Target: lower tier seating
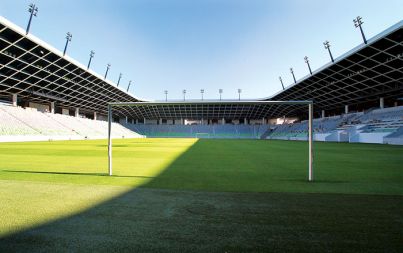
[(17, 121)]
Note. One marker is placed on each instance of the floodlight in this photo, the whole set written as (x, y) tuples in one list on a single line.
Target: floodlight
[(358, 24), (34, 12), (108, 66), (293, 76), (327, 46), (307, 62), (166, 95), (69, 36), (281, 81), (120, 76), (92, 53), (128, 87)]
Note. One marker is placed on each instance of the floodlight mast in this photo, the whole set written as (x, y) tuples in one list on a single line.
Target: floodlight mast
[(92, 53), (120, 77), (34, 12), (107, 69), (128, 87), (307, 62), (293, 76), (281, 81), (296, 102), (358, 24), (327, 46), (68, 39)]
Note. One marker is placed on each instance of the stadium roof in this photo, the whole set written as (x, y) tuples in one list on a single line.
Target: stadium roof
[(40, 73), (207, 109), (363, 74)]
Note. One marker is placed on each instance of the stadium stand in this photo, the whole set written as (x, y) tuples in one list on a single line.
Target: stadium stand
[(374, 126), (201, 131), (17, 123), (34, 72)]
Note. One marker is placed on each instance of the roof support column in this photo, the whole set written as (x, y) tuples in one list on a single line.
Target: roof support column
[(223, 121), (144, 121), (52, 107), (323, 113), (346, 109), (77, 112), (245, 121), (95, 115), (127, 120), (160, 121), (14, 99), (263, 121), (381, 103)]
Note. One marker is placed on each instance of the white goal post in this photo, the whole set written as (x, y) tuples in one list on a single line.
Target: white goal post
[(240, 102)]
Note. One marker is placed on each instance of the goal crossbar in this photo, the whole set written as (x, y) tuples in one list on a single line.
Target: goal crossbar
[(218, 102)]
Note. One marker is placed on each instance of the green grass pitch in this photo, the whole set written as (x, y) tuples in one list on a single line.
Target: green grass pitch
[(189, 195)]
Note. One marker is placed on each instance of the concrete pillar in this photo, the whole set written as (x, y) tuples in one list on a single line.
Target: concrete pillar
[(223, 121), (263, 121), (323, 113), (95, 115), (346, 109), (14, 99), (245, 121), (144, 121), (127, 120), (160, 121), (395, 103), (52, 107), (77, 113), (182, 122), (381, 103)]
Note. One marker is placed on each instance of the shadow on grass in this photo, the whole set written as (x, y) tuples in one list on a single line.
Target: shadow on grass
[(315, 181), (70, 173), (160, 220)]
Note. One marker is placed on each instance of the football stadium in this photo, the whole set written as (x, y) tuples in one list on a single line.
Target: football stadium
[(87, 166)]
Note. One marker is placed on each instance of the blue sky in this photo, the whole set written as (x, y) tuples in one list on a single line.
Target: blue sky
[(211, 44)]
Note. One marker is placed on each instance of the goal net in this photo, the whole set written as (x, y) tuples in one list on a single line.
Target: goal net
[(202, 135), (200, 109)]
